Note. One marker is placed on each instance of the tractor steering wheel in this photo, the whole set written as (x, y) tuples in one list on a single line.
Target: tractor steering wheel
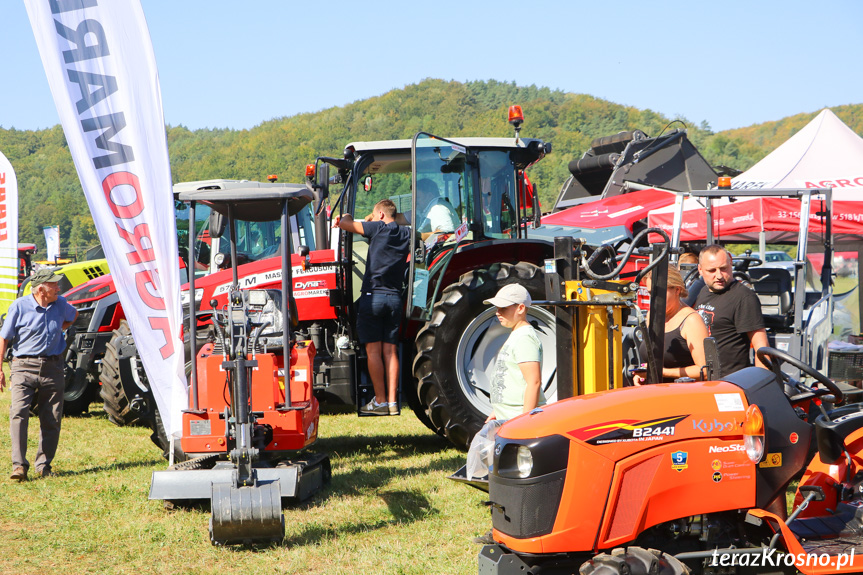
[(745, 262), (767, 354), (691, 276)]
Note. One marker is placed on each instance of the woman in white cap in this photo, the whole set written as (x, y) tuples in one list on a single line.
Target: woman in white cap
[(516, 386)]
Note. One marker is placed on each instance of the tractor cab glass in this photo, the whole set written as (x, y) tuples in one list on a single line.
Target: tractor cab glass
[(203, 241), (443, 192), (302, 229), (255, 240), (497, 186), (438, 210), (385, 176), (449, 194)]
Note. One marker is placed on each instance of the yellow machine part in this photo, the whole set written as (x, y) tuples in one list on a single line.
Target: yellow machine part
[(80, 272), (75, 274), (591, 351)]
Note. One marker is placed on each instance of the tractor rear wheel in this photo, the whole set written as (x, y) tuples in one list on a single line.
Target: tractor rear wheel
[(457, 349), (634, 561), (119, 365), (162, 441), (122, 376)]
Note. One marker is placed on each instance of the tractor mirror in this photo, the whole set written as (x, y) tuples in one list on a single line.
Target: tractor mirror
[(218, 222), (323, 187), (537, 209)]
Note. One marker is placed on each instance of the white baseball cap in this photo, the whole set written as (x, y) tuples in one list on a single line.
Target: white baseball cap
[(509, 295)]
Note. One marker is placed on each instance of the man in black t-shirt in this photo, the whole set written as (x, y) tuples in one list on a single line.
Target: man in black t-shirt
[(731, 311), (379, 311)]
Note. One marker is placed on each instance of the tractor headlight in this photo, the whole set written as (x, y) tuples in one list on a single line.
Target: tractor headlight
[(524, 461), (184, 296), (754, 445), (753, 433), (530, 458)]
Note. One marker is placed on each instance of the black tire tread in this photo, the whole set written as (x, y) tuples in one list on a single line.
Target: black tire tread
[(115, 402), (163, 442), (80, 404)]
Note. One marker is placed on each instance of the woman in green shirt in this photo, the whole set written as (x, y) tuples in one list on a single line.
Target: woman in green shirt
[(516, 386)]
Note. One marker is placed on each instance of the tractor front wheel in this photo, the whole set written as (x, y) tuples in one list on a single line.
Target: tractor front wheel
[(82, 385), (125, 390), (634, 561), (457, 349)]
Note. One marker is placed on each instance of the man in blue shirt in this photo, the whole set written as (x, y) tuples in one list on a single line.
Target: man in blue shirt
[(34, 327), (379, 311)]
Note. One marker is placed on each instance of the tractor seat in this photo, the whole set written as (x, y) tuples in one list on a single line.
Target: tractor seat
[(831, 434), (773, 286)]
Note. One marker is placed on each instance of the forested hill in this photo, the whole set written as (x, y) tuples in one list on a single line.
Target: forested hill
[(50, 193)]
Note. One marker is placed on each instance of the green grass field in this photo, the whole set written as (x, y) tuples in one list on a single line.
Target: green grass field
[(389, 508)]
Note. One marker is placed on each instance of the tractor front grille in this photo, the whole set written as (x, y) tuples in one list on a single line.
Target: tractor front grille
[(526, 507), (82, 322)]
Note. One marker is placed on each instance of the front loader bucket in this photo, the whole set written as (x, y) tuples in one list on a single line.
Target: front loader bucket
[(242, 515)]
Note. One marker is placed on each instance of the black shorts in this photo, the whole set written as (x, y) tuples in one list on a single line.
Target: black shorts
[(378, 318)]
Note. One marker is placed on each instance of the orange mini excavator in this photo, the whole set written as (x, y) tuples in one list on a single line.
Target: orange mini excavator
[(251, 405)]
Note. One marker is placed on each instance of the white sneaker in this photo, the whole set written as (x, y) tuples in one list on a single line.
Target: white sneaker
[(375, 408)]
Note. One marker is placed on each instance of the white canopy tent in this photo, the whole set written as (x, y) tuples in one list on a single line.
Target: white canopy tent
[(824, 154)]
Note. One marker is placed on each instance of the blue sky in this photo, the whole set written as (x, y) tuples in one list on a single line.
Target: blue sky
[(237, 64)]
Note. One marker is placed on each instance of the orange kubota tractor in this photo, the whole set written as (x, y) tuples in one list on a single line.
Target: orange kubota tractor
[(251, 404), (684, 477)]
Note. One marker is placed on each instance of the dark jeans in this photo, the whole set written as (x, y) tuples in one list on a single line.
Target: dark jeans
[(43, 379), (379, 317)]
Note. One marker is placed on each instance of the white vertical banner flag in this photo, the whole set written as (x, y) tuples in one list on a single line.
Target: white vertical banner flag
[(8, 234), (52, 242), (102, 71)]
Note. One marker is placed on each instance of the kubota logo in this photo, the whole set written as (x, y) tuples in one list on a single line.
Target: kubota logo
[(726, 448), (711, 426)]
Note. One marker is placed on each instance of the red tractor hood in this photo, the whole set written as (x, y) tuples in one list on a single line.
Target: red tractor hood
[(622, 210)]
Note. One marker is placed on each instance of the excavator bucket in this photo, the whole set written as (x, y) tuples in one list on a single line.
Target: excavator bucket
[(244, 515)]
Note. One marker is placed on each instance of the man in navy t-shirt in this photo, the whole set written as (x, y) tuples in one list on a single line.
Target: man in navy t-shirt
[(380, 305), (730, 310)]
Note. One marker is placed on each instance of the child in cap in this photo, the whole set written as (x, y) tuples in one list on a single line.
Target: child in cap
[(516, 386)]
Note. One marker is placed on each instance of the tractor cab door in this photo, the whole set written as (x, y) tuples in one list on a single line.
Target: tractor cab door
[(442, 199)]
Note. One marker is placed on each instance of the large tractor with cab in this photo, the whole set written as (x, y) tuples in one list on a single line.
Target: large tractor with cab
[(449, 337)]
